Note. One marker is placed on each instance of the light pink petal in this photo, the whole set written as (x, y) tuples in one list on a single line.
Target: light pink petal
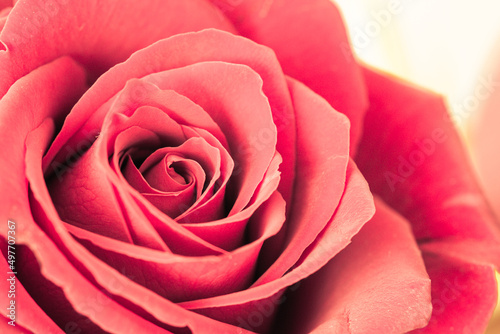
[(413, 158), (52, 281), (193, 150), (229, 232), (311, 43), (4, 13), (210, 207), (84, 197), (179, 278)]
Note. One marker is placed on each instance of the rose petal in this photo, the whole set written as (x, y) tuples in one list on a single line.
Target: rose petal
[(255, 307), (463, 295), (97, 34), (49, 90), (190, 49), (85, 294), (228, 233), (178, 278), (194, 150), (412, 157), (32, 317), (313, 48), (231, 93), (378, 284), (48, 275), (4, 13), (197, 124), (5, 3), (322, 141)]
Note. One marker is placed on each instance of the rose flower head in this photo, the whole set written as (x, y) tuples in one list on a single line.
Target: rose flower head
[(192, 167)]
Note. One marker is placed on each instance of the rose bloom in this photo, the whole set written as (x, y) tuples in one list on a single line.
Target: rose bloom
[(227, 167)]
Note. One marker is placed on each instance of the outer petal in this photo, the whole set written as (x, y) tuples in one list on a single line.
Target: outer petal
[(463, 295), (50, 90), (378, 284), (310, 41), (98, 34), (412, 156)]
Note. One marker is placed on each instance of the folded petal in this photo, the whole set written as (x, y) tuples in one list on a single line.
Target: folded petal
[(232, 95), (322, 157), (377, 284), (412, 157), (5, 3)]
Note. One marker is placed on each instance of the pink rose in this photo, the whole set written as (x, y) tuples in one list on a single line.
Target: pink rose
[(162, 174)]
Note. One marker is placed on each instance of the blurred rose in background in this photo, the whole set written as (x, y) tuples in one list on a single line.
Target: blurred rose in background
[(451, 47)]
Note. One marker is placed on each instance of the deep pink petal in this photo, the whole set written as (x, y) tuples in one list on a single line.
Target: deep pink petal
[(311, 43), (97, 34), (463, 295), (413, 158), (378, 284), (84, 197), (229, 232)]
